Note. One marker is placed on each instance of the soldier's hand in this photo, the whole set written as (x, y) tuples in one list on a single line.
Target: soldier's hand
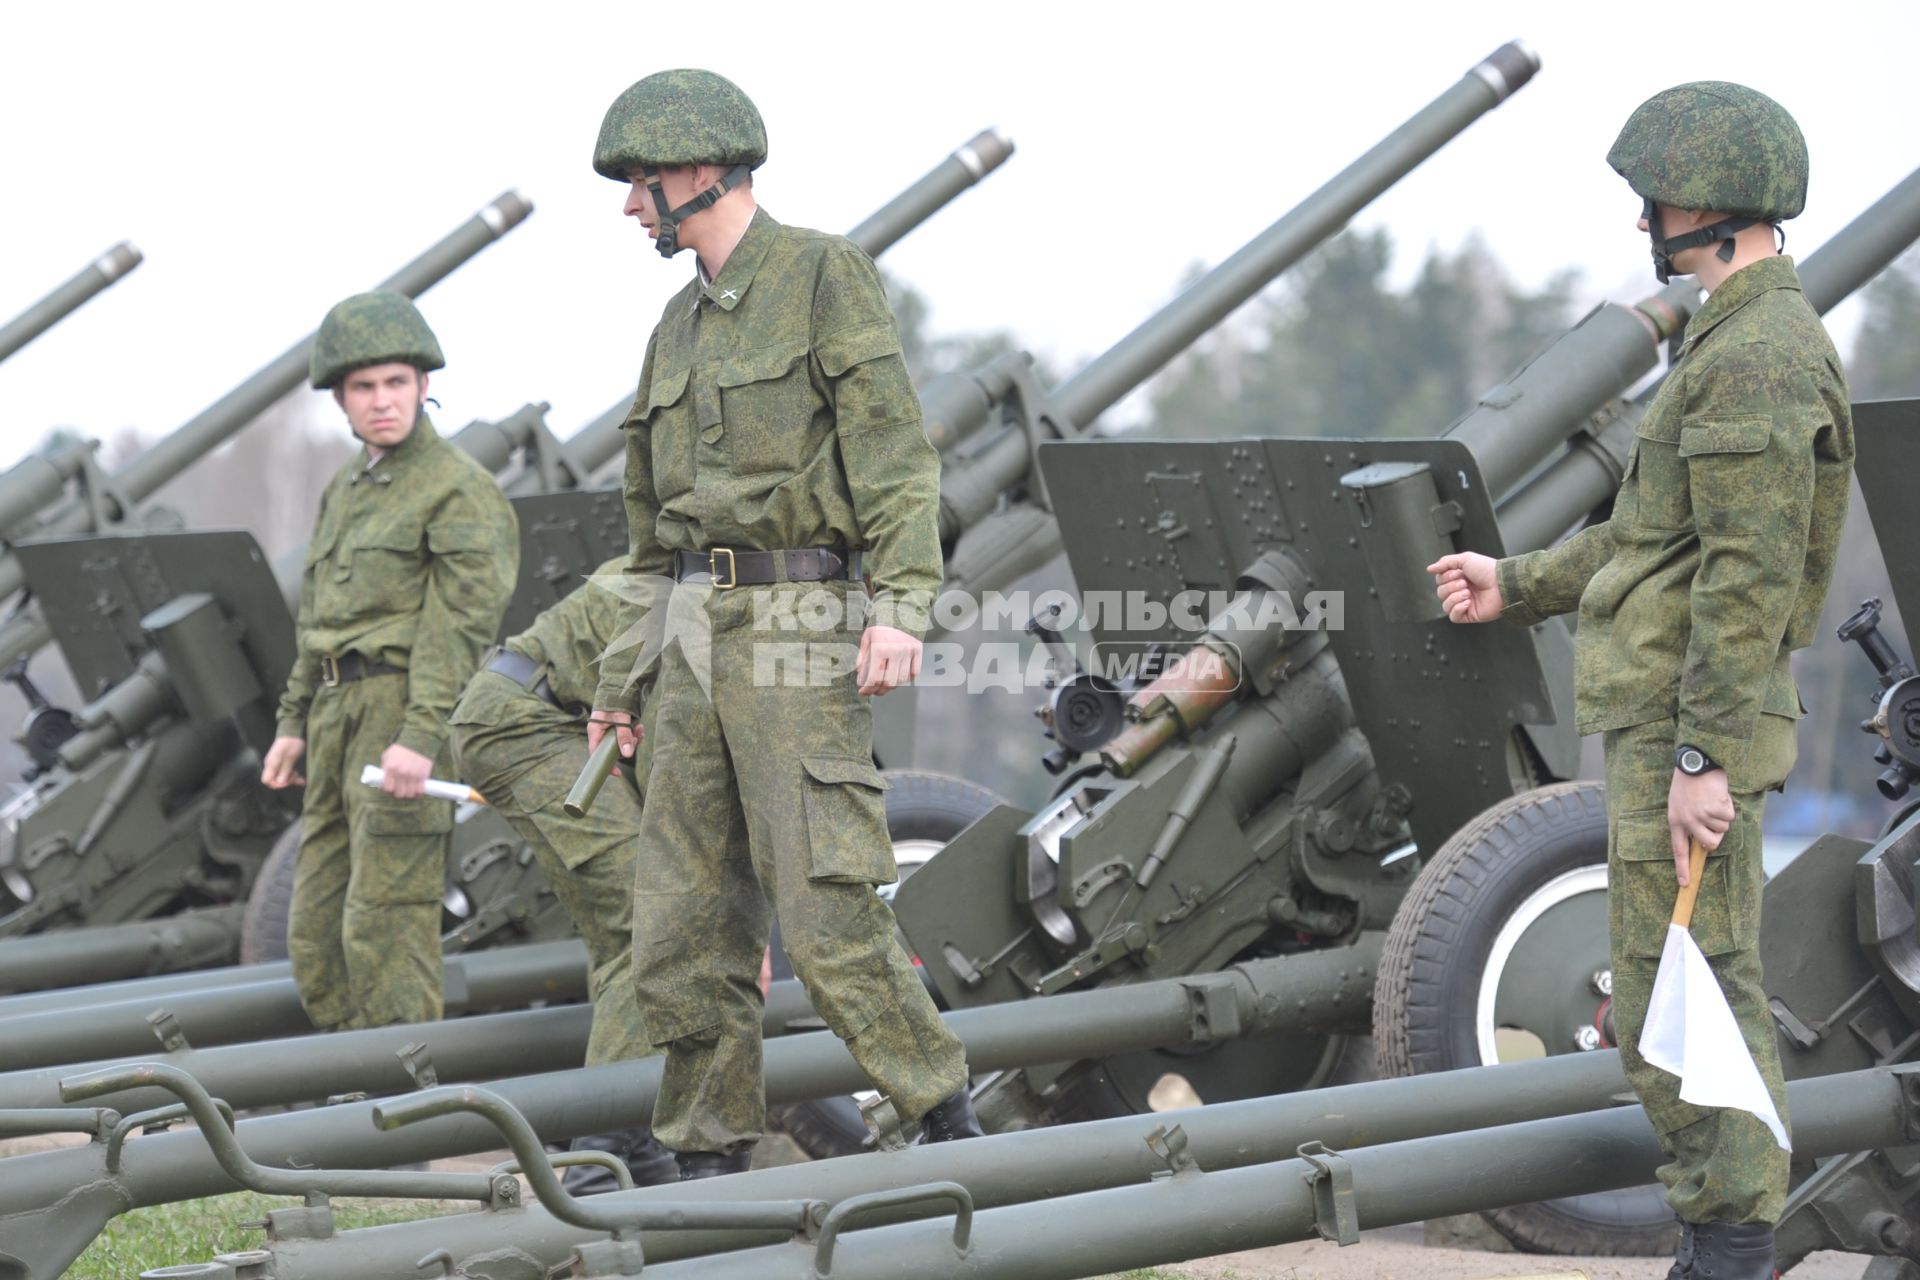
[(407, 772), (1468, 585), (622, 723), (277, 770), (889, 658), (1698, 808)]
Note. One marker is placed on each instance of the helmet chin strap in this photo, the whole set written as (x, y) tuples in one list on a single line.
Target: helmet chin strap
[(667, 230), (1664, 249)]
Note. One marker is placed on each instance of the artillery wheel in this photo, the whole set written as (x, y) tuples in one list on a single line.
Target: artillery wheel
[(263, 926), (1498, 953), (924, 811)]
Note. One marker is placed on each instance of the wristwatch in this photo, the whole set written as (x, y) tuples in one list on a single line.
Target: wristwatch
[(1692, 761)]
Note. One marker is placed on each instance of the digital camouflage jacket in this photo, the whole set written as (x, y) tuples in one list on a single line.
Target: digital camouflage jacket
[(1715, 563), (412, 564), (775, 412)]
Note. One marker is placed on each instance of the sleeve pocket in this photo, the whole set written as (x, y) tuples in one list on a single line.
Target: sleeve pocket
[(444, 539), (1746, 433), (857, 345), (1737, 488), (846, 817)]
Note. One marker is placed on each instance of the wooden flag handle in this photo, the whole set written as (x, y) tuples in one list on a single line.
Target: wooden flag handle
[(1696, 867)]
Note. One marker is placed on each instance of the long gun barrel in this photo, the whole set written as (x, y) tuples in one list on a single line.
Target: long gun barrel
[(1584, 478), (961, 405), (138, 480), (97, 275), (599, 442)]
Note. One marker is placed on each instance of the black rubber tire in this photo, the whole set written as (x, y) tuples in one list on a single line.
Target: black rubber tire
[(263, 926), (921, 805), (1428, 984)]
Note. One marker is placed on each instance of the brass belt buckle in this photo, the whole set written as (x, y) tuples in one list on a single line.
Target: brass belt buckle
[(713, 568), (329, 671)]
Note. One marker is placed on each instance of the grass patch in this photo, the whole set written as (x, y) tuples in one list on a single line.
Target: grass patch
[(170, 1234)]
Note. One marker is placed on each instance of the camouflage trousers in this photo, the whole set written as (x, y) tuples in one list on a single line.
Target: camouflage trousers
[(364, 929), (1724, 1165), (523, 754), (762, 792)]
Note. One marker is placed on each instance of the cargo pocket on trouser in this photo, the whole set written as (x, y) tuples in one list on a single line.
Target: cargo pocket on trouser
[(1641, 887), (403, 856), (846, 821)]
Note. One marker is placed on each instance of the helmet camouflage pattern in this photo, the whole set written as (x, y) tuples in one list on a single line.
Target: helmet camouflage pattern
[(1716, 147), (679, 118), (369, 329)]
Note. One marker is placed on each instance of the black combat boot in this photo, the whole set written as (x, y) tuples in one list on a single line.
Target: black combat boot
[(1729, 1251), (712, 1164), (952, 1120), (1683, 1256), (650, 1163)]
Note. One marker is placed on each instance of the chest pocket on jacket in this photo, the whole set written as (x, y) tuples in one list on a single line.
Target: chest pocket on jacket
[(386, 563), (1731, 495), (1660, 474), (768, 403), (670, 432)]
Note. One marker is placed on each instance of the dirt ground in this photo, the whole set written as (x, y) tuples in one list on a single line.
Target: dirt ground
[(1399, 1253)]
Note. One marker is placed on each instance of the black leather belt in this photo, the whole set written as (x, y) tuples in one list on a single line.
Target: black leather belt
[(525, 672), (730, 568), (349, 667)]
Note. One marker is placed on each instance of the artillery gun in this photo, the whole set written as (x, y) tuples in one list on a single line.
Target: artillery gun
[(1316, 732), (1837, 1019), (495, 891), (102, 273), (152, 804)]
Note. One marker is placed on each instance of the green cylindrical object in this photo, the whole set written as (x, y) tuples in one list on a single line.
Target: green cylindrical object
[(309, 1067), (99, 274), (74, 957), (973, 160), (40, 998), (1140, 354), (121, 712), (1521, 423), (586, 788), (39, 479), (1034, 1165), (508, 977), (1316, 992), (1173, 1219), (970, 490)]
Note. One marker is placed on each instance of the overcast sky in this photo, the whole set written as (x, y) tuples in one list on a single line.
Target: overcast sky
[(271, 159)]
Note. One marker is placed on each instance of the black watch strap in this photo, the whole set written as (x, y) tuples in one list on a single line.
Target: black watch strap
[(1691, 760)]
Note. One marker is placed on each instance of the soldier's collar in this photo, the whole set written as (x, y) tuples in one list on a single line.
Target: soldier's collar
[(1740, 288), (726, 289), (422, 438)]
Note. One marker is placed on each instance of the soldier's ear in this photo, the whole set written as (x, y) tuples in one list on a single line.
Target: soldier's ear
[(423, 382), (340, 397)]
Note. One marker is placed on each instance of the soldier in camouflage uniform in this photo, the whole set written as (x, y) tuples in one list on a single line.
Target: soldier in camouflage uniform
[(410, 568), (519, 737), (1711, 571), (775, 457)]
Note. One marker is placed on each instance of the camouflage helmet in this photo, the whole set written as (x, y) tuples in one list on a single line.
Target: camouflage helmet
[(369, 329), (1717, 147), (679, 118)]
